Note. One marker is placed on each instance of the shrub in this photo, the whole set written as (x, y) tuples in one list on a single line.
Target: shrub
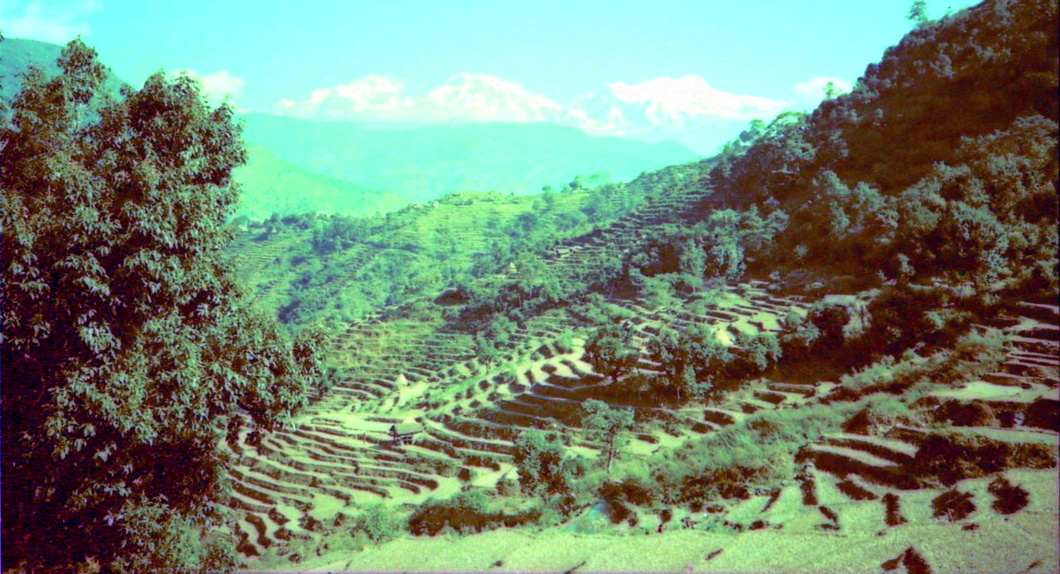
[(466, 513), (378, 523), (1009, 498), (544, 469), (953, 505)]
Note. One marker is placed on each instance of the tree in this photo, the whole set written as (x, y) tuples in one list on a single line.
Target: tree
[(918, 13), (690, 358), (127, 346), (543, 467), (607, 424), (611, 350)]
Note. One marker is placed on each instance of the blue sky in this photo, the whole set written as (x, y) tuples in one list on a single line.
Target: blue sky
[(267, 50)]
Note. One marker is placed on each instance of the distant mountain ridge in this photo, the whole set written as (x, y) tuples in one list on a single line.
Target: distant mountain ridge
[(423, 162), (688, 109), (483, 134), (267, 184)]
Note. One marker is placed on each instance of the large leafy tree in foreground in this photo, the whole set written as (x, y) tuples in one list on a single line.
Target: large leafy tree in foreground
[(127, 349)]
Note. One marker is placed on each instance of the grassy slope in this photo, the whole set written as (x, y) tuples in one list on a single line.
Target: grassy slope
[(427, 162), (1020, 542), (448, 233), (270, 185)]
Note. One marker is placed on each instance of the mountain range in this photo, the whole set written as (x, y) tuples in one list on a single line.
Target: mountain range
[(687, 110), (425, 161), (473, 133)]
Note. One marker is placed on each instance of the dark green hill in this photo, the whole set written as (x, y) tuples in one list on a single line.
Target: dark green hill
[(941, 163), (423, 163)]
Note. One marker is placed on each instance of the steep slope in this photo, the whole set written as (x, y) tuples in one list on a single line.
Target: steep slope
[(941, 162), (423, 163), (918, 414)]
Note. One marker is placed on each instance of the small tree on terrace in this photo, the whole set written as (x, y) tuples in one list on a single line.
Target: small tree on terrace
[(607, 424), (544, 470), (612, 351)]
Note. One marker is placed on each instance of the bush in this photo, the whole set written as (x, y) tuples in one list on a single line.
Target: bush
[(953, 505), (378, 523), (544, 468), (466, 513), (1009, 498), (952, 458)]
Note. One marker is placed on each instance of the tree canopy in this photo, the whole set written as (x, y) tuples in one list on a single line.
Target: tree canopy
[(127, 346)]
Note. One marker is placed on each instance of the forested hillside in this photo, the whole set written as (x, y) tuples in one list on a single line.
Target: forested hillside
[(942, 162)]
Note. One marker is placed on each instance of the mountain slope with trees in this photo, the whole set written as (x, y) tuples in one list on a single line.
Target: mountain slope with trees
[(846, 323), (841, 330), (940, 163)]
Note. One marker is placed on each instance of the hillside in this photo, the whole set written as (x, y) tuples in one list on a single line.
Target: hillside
[(688, 369), (424, 163), (270, 185), (835, 346), (333, 269)]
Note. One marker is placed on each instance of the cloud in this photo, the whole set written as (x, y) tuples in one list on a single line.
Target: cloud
[(219, 85), (372, 97), (812, 91), (693, 95), (57, 21)]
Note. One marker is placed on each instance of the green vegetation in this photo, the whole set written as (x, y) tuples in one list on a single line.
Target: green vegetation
[(608, 425), (544, 468), (971, 199), (265, 183), (835, 325), (128, 348)]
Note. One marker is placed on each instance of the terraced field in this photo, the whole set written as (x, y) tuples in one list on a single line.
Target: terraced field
[(295, 485)]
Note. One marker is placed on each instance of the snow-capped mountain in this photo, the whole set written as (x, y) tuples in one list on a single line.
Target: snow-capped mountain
[(480, 98), (687, 109)]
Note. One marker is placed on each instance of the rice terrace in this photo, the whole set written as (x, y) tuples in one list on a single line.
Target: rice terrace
[(453, 324)]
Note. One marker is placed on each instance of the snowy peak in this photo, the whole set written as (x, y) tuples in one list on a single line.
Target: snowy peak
[(481, 98), (686, 109), (692, 96), (369, 96)]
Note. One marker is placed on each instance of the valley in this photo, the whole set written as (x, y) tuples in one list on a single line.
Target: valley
[(474, 330)]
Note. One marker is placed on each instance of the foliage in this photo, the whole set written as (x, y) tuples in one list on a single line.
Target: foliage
[(466, 512), (544, 468), (379, 523), (691, 358), (607, 424), (611, 349), (969, 195), (127, 345)]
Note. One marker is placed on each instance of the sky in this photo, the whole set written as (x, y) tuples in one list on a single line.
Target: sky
[(264, 51)]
